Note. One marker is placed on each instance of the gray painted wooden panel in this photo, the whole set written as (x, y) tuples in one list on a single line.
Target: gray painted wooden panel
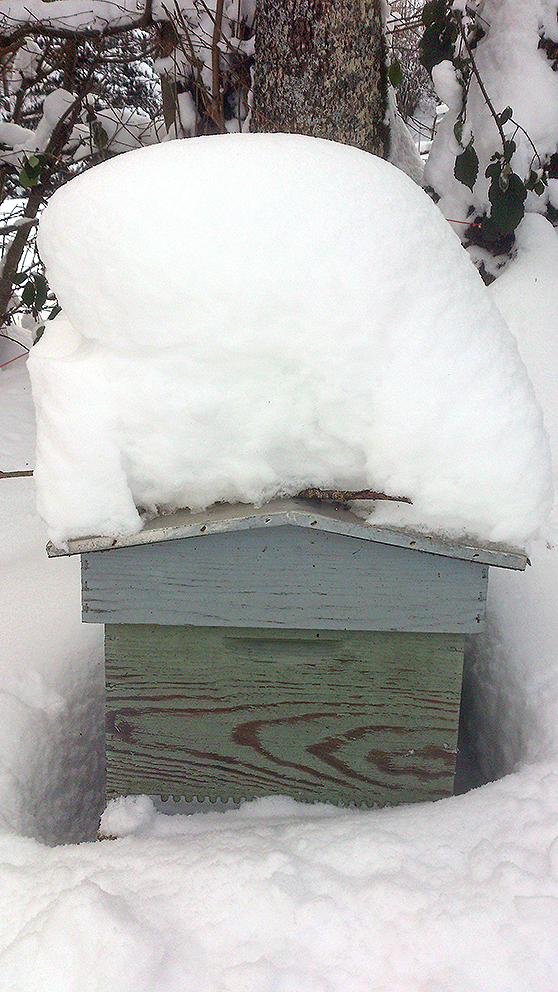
[(328, 716), (284, 577)]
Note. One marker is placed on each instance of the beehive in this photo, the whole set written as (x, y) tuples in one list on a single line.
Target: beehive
[(288, 649)]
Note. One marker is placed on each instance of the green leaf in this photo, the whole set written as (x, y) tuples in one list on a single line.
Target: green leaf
[(509, 148), (54, 312), (395, 74), (32, 167), (41, 291), (489, 231), (536, 181), (494, 170), (507, 204), (458, 130), (100, 136), (506, 115), (26, 180), (28, 295), (504, 177), (466, 167), (435, 11), (436, 45)]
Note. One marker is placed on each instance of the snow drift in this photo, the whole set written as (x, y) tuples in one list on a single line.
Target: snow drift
[(254, 314)]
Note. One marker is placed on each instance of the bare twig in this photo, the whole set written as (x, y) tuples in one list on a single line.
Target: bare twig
[(345, 496), (25, 223), (482, 87), (104, 29), (216, 92)]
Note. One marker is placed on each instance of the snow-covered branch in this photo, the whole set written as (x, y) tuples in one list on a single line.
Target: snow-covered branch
[(57, 76), (495, 156), (62, 18)]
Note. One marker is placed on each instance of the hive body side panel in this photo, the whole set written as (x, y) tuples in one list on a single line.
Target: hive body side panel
[(320, 716), (286, 578)]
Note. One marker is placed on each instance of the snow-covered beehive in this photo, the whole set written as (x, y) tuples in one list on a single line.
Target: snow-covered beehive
[(315, 324), (289, 649)]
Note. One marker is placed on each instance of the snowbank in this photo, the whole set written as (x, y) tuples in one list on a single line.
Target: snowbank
[(452, 897), (51, 672), (254, 314), (516, 662)]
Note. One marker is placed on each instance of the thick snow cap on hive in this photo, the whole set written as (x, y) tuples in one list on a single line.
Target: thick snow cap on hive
[(249, 315)]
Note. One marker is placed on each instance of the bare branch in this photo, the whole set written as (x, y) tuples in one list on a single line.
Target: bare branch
[(215, 67), (26, 223)]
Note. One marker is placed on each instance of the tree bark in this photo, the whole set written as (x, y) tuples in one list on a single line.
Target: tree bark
[(320, 69)]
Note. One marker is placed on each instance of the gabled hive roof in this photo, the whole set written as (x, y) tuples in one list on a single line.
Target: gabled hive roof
[(224, 517)]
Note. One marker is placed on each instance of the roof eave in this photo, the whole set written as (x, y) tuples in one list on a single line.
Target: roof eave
[(241, 516)]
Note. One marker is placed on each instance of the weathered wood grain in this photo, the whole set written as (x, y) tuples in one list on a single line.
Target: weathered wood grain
[(284, 577), (330, 715)]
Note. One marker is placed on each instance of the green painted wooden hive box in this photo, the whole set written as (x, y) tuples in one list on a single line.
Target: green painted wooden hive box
[(292, 649)]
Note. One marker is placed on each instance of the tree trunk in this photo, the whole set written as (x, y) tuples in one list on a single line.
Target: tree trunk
[(320, 69)]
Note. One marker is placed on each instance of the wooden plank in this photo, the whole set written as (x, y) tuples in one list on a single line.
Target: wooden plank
[(328, 716), (286, 577), (283, 512)]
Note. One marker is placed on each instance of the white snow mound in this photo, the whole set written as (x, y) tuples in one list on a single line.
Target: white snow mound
[(254, 314)]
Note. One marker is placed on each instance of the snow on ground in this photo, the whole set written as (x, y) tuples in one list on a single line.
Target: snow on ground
[(452, 897), (51, 678), (455, 896), (527, 695), (317, 324)]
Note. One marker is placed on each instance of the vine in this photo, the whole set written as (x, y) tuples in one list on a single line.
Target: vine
[(452, 35)]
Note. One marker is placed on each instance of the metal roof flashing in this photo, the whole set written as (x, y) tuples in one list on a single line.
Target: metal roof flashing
[(299, 513)]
